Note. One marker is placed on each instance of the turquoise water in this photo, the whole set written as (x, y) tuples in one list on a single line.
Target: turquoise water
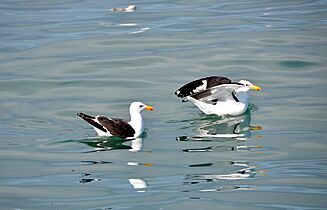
[(63, 57)]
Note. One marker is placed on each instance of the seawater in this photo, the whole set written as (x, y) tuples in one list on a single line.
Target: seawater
[(63, 57)]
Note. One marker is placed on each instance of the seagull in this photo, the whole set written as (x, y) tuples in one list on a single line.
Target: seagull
[(218, 95), (105, 126), (130, 8)]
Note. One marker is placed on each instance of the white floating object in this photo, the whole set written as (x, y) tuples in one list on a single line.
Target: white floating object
[(138, 183), (130, 8), (127, 24)]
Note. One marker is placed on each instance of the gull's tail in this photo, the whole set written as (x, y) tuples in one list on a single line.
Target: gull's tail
[(92, 121)]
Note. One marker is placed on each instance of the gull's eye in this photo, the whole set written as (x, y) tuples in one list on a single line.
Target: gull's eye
[(141, 106), (247, 85)]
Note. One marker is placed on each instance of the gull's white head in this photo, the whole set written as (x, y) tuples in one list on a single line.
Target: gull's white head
[(249, 85), (139, 107)]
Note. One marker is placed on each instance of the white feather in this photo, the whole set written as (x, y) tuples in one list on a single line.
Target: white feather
[(202, 87)]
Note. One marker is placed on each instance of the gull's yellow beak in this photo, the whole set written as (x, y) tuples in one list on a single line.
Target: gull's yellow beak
[(149, 108), (254, 87)]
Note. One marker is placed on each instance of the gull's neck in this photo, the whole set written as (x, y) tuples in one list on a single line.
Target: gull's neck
[(136, 122), (242, 95)]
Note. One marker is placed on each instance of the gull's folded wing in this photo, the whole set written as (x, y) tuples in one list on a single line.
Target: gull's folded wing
[(222, 93)]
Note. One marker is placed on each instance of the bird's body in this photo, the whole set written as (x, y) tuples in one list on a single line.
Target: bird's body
[(220, 108), (218, 95), (105, 126)]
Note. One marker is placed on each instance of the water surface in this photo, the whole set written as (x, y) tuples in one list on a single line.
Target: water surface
[(59, 58)]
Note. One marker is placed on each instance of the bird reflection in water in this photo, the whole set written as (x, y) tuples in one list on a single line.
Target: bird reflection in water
[(245, 171), (223, 148), (226, 133), (85, 178), (213, 128), (113, 143), (229, 129)]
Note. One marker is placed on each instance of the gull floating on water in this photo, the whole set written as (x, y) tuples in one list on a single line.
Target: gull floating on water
[(130, 8), (105, 126), (218, 95)]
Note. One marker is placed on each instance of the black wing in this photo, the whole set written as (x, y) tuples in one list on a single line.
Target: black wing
[(201, 85), (92, 121), (117, 127)]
